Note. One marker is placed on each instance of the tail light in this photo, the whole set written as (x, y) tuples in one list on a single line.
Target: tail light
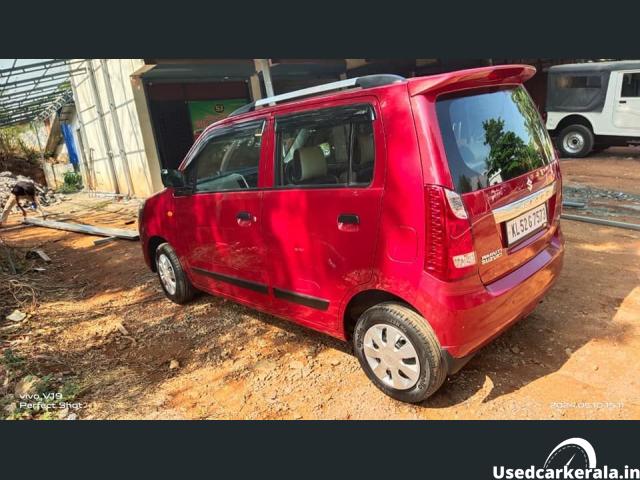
[(449, 250)]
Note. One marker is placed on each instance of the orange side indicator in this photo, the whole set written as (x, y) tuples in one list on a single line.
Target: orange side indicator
[(169, 213)]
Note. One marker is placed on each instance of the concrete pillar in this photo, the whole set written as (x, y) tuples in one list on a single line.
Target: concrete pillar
[(262, 65), (146, 128), (254, 87)]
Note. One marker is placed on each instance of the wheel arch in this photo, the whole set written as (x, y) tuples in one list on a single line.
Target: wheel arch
[(364, 300), (573, 119), (152, 245)]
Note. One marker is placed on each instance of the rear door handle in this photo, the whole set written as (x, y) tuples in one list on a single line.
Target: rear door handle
[(623, 101), (348, 222), (245, 218)]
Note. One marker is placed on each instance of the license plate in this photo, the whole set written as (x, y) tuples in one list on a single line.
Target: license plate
[(526, 224)]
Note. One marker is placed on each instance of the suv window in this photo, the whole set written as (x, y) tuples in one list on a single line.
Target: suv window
[(492, 137), (630, 85), (578, 81), (332, 146), (228, 161)]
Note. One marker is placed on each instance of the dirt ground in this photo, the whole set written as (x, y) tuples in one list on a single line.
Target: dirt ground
[(102, 322), (616, 168)]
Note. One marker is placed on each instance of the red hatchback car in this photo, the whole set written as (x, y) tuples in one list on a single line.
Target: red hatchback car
[(417, 218)]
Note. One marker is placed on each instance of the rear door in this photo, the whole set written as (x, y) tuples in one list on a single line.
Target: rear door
[(501, 162), (321, 218), (626, 107)]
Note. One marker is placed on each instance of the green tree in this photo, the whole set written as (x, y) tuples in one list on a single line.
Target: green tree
[(509, 156)]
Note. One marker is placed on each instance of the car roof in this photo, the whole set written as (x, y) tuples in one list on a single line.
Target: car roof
[(596, 66), (509, 73), (311, 100)]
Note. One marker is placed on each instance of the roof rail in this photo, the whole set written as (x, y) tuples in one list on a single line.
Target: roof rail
[(368, 81)]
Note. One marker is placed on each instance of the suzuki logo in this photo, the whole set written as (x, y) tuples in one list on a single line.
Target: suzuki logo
[(529, 184)]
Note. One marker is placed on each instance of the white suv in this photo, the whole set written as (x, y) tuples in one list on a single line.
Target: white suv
[(592, 106)]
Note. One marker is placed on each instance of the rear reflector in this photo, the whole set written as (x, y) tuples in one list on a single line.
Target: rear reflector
[(464, 260)]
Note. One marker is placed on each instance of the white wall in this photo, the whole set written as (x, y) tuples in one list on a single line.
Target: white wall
[(96, 156)]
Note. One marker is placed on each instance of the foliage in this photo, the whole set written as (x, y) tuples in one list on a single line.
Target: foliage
[(72, 182), (509, 155), (11, 360), (13, 145)]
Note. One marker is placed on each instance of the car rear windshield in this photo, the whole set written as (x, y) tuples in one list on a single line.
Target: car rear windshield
[(491, 137)]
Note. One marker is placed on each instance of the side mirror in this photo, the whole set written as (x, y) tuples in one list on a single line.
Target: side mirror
[(173, 178)]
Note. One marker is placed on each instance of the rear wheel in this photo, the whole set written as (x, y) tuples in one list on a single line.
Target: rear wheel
[(575, 141), (173, 279), (399, 352)]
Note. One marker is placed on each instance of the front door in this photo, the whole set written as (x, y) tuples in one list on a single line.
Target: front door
[(221, 221), (626, 108), (321, 218)]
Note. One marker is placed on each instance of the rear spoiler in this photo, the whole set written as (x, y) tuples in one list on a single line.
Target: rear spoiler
[(473, 78)]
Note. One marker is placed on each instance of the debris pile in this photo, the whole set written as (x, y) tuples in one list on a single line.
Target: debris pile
[(8, 180)]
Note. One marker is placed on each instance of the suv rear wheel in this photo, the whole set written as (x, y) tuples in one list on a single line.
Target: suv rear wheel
[(399, 352), (174, 281), (575, 141)]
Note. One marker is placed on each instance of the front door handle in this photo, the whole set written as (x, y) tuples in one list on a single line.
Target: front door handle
[(623, 101), (245, 219), (349, 218), (348, 222)]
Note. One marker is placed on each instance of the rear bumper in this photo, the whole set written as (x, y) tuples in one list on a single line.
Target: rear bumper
[(467, 315)]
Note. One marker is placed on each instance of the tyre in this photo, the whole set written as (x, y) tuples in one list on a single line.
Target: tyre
[(173, 279), (399, 352), (575, 141)]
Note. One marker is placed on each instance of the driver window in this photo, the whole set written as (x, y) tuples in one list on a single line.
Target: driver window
[(229, 162), (630, 85)]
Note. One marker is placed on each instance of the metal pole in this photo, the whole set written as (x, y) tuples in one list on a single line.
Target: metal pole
[(102, 124), (116, 126), (601, 221), (86, 157), (35, 130)]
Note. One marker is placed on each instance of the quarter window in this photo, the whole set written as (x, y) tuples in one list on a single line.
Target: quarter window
[(228, 161), (328, 147), (630, 85)]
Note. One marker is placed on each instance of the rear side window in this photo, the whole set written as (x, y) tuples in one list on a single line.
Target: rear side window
[(328, 147), (578, 81), (228, 161), (492, 137)]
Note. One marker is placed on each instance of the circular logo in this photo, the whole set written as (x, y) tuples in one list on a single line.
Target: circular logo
[(576, 453)]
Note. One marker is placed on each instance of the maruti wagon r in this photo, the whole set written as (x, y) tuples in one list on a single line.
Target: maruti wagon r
[(417, 218)]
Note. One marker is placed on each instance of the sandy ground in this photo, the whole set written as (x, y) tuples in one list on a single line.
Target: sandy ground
[(577, 356)]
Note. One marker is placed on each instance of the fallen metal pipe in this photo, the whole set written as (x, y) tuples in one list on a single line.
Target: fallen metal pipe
[(571, 203), (126, 234), (601, 221)]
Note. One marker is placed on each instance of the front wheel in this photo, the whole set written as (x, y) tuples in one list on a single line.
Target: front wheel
[(575, 141), (399, 352), (173, 279)]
